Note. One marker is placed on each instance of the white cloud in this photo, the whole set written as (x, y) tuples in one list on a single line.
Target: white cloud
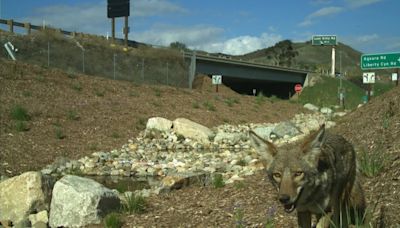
[(92, 18), (360, 3), (243, 44), (368, 38), (323, 12), (207, 39), (143, 8)]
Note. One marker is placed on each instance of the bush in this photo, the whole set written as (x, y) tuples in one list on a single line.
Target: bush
[(20, 113), (134, 203), (112, 220)]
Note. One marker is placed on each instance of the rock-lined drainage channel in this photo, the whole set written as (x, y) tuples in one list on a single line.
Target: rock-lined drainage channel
[(165, 157)]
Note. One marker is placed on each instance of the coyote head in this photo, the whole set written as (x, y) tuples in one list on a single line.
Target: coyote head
[(293, 169)]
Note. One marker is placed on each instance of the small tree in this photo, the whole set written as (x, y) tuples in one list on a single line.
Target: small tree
[(178, 45)]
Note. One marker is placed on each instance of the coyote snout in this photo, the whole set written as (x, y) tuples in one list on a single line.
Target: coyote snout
[(315, 177)]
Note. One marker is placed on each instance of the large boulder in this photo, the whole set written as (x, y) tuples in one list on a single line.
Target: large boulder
[(286, 130), (23, 195), (79, 201), (192, 130), (159, 123), (264, 131)]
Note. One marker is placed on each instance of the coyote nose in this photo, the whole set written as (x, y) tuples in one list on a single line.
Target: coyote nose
[(284, 199)]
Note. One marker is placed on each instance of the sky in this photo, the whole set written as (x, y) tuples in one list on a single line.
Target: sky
[(227, 26)]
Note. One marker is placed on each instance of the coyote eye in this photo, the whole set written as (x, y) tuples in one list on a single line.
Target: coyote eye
[(298, 174), (276, 175)]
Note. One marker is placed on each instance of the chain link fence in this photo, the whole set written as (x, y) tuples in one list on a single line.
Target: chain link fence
[(98, 56)]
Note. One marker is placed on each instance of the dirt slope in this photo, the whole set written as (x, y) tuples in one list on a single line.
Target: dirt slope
[(95, 114)]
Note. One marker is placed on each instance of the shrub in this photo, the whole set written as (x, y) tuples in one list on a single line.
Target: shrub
[(113, 220), (218, 181), (371, 163), (20, 113), (21, 126), (134, 203)]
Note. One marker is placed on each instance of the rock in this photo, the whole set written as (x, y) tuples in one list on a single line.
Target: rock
[(264, 132), (326, 111), (42, 217), (79, 201), (22, 195), (180, 181), (286, 128), (159, 123), (190, 129), (311, 107), (339, 114), (232, 138)]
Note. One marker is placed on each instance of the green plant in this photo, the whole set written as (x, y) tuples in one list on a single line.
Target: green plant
[(239, 184), (195, 105), (274, 98), (218, 181), (134, 203), (269, 223), (140, 123), (21, 126), (260, 98), (157, 92), (113, 220), (76, 86), (371, 163), (26, 94), (72, 115), (20, 113), (98, 92), (115, 135), (209, 106), (59, 133), (241, 162), (238, 216)]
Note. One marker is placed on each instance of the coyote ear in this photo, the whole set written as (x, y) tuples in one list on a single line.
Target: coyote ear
[(312, 145), (265, 148)]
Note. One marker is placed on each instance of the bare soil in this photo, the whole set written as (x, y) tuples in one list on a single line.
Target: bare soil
[(75, 115)]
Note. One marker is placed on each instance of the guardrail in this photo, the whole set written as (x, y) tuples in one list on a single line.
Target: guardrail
[(29, 27)]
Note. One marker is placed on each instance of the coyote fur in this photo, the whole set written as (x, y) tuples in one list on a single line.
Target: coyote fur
[(316, 177)]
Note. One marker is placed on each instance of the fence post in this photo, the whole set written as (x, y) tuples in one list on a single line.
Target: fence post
[(11, 25), (28, 28)]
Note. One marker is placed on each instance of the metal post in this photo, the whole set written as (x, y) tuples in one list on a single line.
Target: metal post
[(11, 25), (126, 31), (333, 62), (114, 65), (398, 75), (113, 29)]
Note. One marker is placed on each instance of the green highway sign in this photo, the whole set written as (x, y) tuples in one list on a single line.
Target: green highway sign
[(324, 40), (380, 61)]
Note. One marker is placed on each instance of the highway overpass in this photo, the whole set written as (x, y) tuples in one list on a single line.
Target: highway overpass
[(244, 77)]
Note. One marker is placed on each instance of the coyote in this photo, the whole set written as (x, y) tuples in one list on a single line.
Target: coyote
[(317, 176)]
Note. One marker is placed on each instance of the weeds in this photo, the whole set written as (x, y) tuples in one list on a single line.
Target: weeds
[(238, 215), (209, 106), (134, 203), (115, 135), (157, 92), (113, 220), (19, 113), (371, 163), (231, 101), (21, 126), (218, 181), (195, 105), (76, 86), (26, 94), (239, 184), (72, 115), (269, 223), (260, 98), (99, 93), (140, 123), (59, 133)]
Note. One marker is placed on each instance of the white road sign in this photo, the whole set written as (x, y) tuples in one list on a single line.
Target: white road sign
[(216, 79), (369, 77), (394, 76)]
